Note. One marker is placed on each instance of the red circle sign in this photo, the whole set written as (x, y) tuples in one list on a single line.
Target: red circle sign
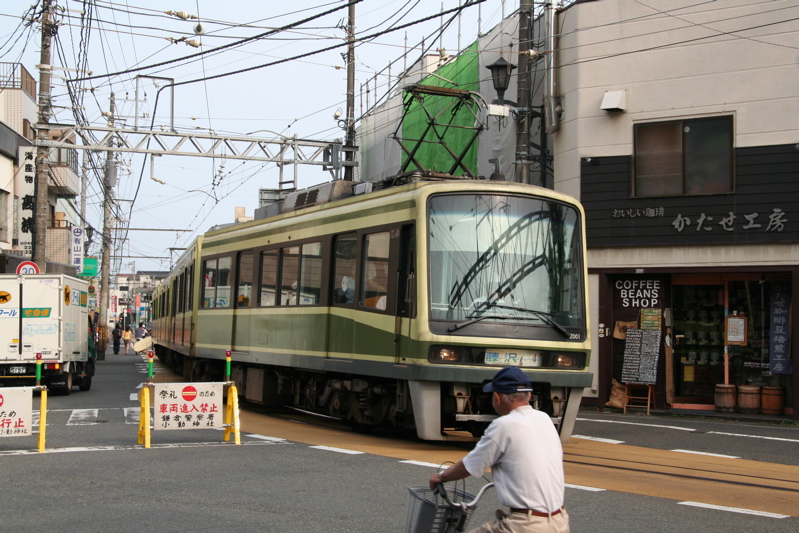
[(189, 393), (27, 267), (1, 400)]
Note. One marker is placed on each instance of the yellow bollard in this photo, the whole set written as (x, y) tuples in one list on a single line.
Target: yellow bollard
[(144, 416), (42, 419), (232, 415)]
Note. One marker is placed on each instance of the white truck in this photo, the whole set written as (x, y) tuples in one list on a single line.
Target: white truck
[(45, 315)]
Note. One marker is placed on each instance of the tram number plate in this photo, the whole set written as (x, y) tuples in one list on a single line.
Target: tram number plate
[(502, 356), (16, 370)]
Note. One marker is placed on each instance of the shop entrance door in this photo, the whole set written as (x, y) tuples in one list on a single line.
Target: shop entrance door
[(698, 342)]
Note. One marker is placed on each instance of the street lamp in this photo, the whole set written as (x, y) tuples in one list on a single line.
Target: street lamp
[(500, 76)]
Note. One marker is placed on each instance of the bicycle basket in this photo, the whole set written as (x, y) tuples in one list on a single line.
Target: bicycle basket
[(429, 513)]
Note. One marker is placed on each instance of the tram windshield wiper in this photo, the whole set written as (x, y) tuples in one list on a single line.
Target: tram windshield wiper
[(542, 315), (460, 325)]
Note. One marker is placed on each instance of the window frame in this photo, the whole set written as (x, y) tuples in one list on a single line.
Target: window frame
[(215, 277), (685, 157)]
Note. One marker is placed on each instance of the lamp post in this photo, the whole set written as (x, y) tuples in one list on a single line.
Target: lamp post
[(500, 76)]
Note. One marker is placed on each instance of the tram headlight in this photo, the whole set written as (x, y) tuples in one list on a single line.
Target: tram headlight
[(571, 360), (446, 354)]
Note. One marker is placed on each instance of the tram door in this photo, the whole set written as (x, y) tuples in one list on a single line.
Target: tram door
[(341, 327), (406, 289)]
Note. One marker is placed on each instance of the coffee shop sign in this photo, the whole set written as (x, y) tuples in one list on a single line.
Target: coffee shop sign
[(639, 292), (773, 222)]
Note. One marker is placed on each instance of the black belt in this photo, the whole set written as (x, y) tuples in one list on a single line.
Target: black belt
[(534, 512)]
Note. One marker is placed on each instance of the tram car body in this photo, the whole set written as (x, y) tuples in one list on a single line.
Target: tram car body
[(392, 307)]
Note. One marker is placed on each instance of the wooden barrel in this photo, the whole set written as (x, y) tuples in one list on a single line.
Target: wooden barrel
[(772, 400), (749, 398), (725, 398)]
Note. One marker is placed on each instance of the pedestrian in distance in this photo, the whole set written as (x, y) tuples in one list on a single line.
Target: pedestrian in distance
[(127, 337), (116, 335), (140, 332), (522, 448)]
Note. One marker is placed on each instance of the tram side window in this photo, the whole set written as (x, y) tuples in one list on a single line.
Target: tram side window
[(345, 253), (311, 274), (244, 293), (190, 289), (375, 268), (209, 283), (289, 275), (216, 291), (268, 278)]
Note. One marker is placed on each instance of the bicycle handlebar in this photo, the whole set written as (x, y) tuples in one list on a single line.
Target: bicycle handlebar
[(442, 491)]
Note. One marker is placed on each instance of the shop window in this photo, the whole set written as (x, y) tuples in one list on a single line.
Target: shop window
[(749, 361), (375, 270), (699, 341), (684, 157)]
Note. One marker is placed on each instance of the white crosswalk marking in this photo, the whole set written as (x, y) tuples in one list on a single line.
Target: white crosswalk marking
[(88, 417), (83, 417), (131, 415)]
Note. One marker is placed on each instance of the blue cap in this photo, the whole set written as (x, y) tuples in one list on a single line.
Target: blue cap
[(509, 380)]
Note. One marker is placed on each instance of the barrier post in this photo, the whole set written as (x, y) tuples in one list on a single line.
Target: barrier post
[(42, 416), (38, 370), (144, 415), (227, 365), (232, 414), (150, 356)]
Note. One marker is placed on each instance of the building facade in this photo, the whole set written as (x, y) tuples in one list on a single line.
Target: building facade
[(677, 131), (18, 116)]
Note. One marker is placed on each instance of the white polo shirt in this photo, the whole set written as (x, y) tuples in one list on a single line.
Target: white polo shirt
[(523, 451)]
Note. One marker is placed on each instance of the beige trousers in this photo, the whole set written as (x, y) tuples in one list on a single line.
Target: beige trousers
[(521, 523)]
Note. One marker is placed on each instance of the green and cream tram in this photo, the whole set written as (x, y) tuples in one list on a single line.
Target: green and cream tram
[(391, 307)]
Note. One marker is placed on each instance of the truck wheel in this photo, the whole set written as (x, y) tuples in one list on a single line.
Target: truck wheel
[(67, 389), (86, 383)]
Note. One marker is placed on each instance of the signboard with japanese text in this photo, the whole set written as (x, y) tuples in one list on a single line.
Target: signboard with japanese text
[(16, 411), (23, 229), (759, 210), (780, 336), (76, 249), (188, 406)]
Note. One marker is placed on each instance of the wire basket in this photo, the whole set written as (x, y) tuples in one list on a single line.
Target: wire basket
[(429, 513)]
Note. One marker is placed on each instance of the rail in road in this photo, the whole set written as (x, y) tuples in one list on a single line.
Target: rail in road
[(703, 479), (590, 464)]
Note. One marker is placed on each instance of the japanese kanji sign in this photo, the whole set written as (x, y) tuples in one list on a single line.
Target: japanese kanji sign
[(779, 349), (16, 411), (188, 406)]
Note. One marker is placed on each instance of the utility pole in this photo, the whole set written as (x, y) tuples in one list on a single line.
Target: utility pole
[(105, 275), (523, 92), (349, 153), (42, 207)]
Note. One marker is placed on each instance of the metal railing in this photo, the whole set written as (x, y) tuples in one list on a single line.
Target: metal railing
[(15, 76)]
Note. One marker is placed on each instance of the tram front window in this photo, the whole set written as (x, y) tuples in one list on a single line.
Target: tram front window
[(506, 260)]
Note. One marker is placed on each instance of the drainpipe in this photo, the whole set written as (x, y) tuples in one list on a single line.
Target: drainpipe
[(552, 108)]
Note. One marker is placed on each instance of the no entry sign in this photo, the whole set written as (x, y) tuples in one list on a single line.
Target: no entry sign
[(182, 406), (16, 411)]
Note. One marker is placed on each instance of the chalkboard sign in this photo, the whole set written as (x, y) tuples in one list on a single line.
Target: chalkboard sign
[(641, 351)]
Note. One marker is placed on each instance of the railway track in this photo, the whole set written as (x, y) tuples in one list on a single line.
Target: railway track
[(739, 483)]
